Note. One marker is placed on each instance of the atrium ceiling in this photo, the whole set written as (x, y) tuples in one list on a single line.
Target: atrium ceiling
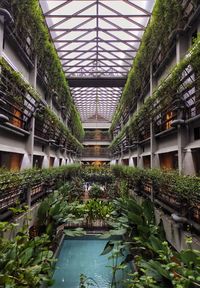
[(97, 40)]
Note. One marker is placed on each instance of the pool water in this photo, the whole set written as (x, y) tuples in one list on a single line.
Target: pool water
[(82, 256)]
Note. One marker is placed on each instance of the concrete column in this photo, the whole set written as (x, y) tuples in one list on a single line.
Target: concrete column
[(188, 163), (139, 158), (182, 138), (47, 157), (28, 158), (153, 143), (198, 28), (153, 147), (1, 34), (56, 161), (131, 163), (182, 45)]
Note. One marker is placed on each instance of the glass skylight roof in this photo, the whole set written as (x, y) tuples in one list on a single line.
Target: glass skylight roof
[(98, 102), (97, 38)]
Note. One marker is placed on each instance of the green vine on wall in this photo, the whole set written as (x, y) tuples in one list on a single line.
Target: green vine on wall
[(28, 16), (16, 77), (169, 84), (166, 17)]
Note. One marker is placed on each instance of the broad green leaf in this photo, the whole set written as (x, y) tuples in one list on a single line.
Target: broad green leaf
[(108, 248)]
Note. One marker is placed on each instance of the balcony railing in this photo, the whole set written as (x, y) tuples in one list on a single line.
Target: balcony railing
[(17, 189), (96, 153), (16, 103), (190, 93), (19, 36), (94, 136), (163, 54), (47, 131), (190, 10), (186, 100)]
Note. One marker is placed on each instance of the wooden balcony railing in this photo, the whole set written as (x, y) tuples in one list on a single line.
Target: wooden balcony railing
[(163, 53), (190, 10), (46, 130), (144, 129), (16, 102), (96, 153), (97, 136), (189, 91), (19, 36), (26, 187)]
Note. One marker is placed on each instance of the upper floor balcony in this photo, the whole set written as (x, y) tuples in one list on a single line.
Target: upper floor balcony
[(18, 103), (96, 152), (97, 135), (18, 35)]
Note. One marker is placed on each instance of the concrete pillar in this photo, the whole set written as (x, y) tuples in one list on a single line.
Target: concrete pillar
[(188, 163), (153, 81), (185, 160), (153, 142), (153, 148), (56, 161), (198, 28), (182, 45), (139, 158), (1, 34), (28, 158), (131, 163)]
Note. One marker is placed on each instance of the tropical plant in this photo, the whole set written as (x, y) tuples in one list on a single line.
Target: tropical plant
[(156, 264), (96, 191), (23, 261)]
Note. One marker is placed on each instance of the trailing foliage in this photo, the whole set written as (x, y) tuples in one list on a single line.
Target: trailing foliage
[(28, 16), (29, 177), (47, 113), (167, 16), (16, 77), (71, 138), (75, 123), (167, 86), (185, 187)]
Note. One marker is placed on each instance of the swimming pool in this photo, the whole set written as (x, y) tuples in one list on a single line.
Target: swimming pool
[(82, 256)]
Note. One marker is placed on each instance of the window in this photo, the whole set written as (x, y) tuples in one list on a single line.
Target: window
[(37, 161), (169, 160), (196, 133), (135, 161), (11, 161), (51, 161), (146, 162), (169, 117)]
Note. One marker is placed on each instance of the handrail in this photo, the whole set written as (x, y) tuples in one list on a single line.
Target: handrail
[(8, 17)]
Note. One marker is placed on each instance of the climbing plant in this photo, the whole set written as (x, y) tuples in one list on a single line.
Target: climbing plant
[(166, 17)]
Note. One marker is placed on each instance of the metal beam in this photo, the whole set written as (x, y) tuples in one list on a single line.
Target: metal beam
[(103, 58), (146, 13), (94, 40), (57, 7), (67, 17), (94, 29), (102, 50), (96, 82)]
